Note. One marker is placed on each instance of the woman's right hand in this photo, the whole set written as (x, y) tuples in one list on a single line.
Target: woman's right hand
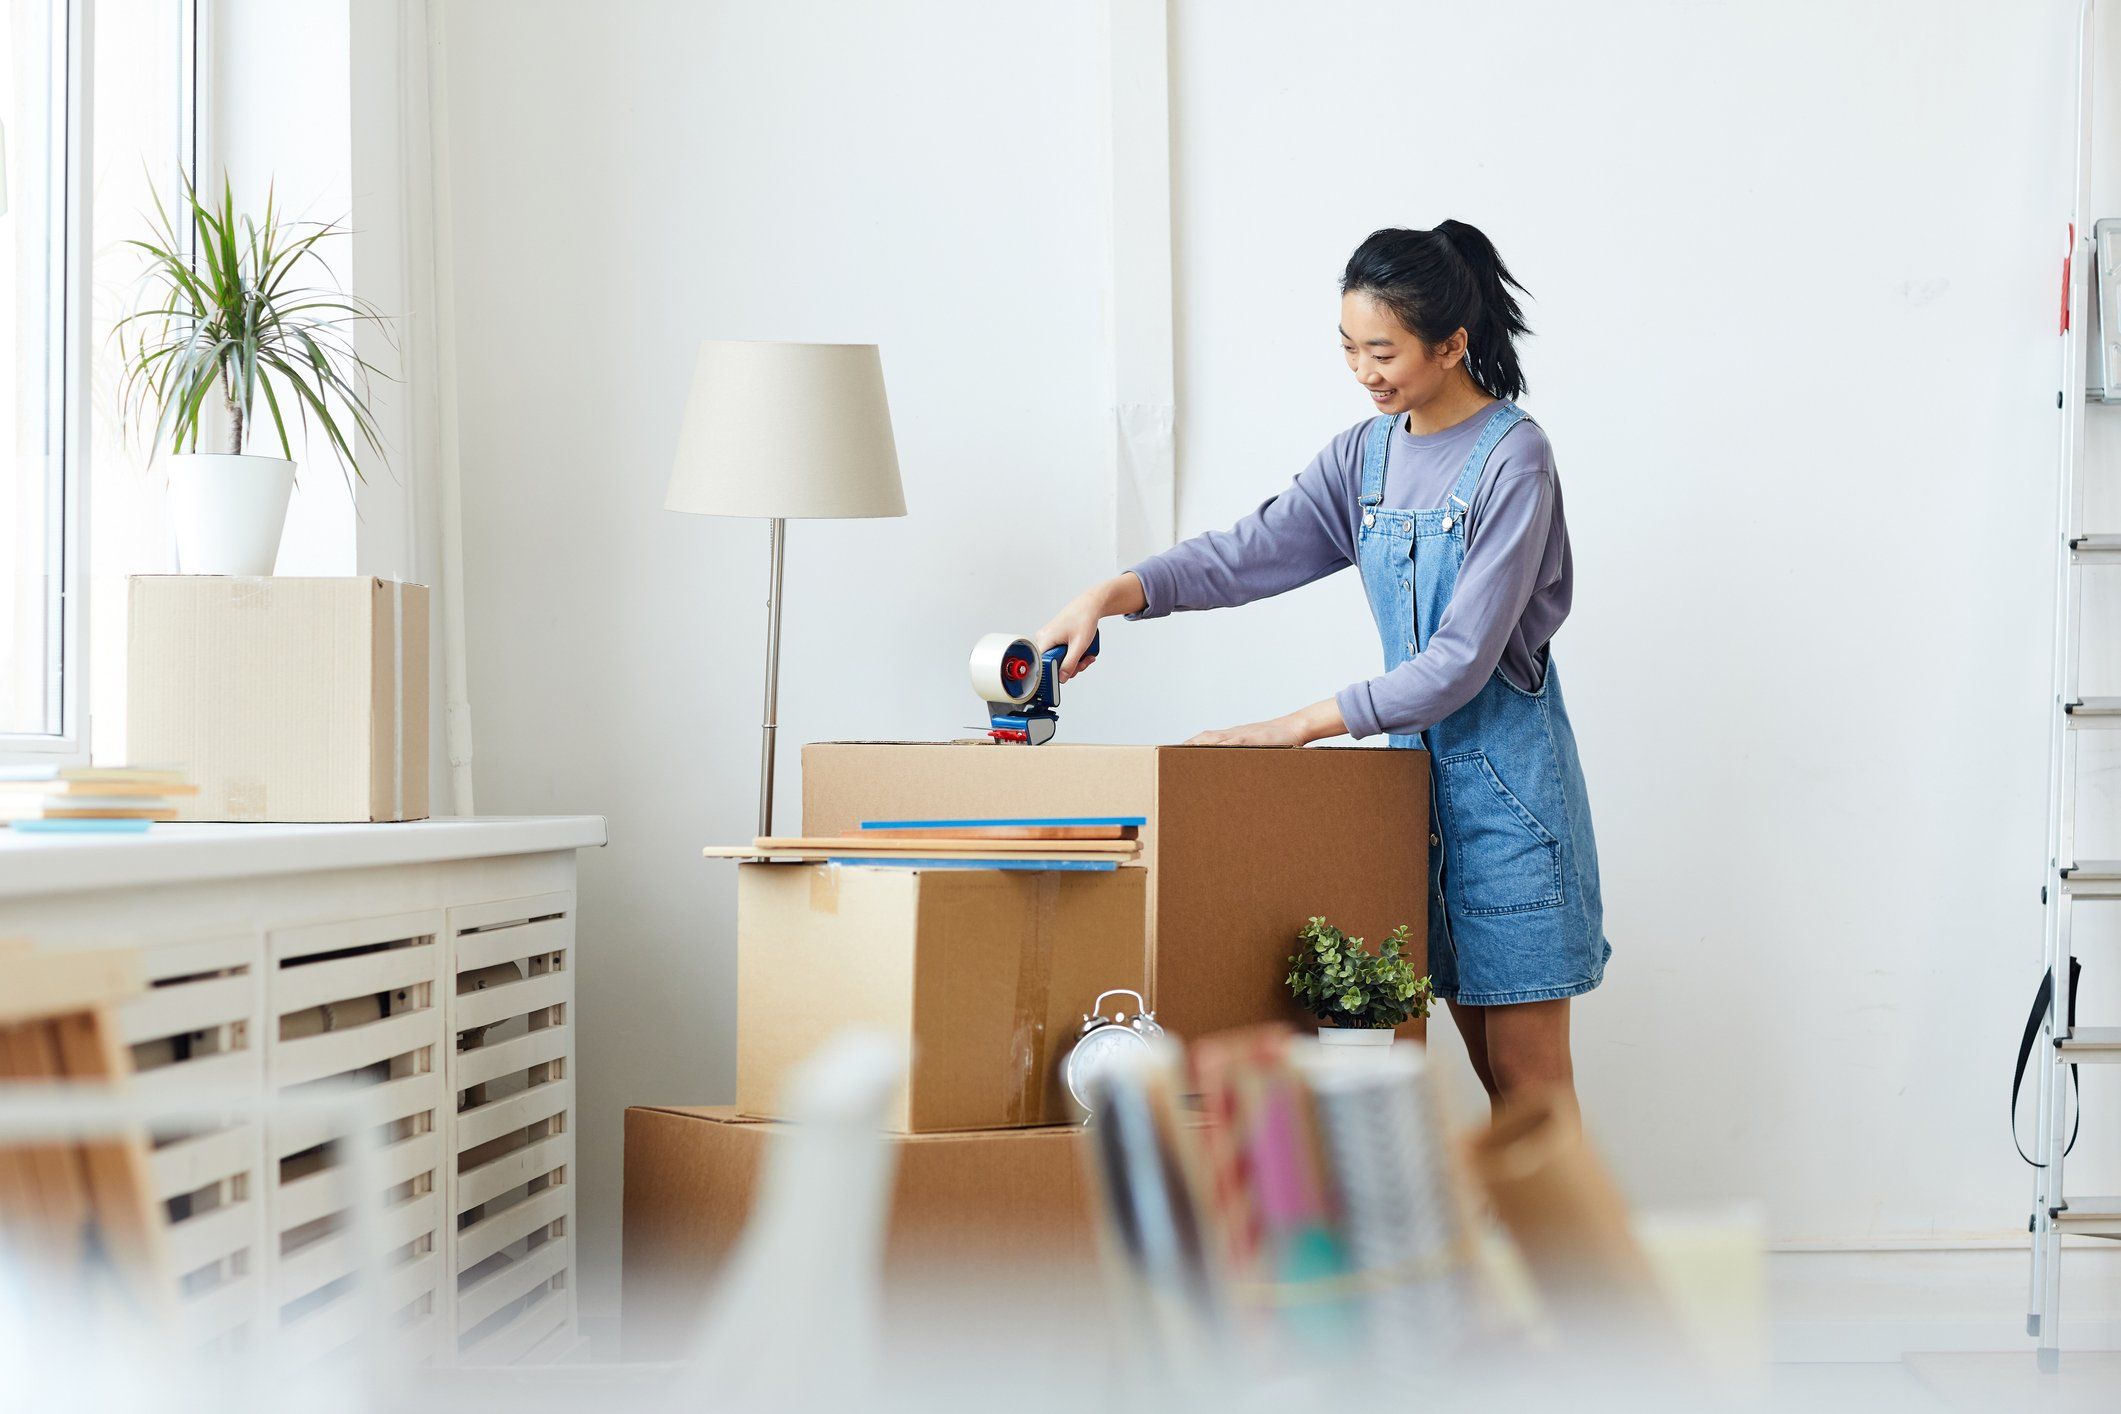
[(1076, 623)]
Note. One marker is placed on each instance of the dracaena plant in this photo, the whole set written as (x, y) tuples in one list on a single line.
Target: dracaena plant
[(253, 321), (1341, 982)]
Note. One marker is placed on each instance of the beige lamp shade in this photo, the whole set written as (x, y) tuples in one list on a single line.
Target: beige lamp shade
[(795, 431)]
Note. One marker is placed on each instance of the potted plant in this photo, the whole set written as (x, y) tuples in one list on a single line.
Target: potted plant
[(223, 327), (1358, 994)]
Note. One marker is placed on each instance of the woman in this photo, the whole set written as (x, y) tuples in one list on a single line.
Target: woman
[(1447, 501)]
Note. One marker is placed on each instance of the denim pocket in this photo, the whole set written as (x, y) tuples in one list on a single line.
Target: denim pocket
[(1503, 859)]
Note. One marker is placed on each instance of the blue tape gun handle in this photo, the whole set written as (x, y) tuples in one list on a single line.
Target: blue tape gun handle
[(1058, 651)]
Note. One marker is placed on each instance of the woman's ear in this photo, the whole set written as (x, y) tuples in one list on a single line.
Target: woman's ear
[(1452, 351)]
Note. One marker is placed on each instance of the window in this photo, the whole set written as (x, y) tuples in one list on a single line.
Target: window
[(41, 276), (125, 72)]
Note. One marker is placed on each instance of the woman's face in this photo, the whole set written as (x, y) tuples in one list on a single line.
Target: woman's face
[(1393, 366)]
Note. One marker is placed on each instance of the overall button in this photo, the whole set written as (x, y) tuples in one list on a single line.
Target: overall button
[(1433, 841), (1446, 522), (1369, 520)]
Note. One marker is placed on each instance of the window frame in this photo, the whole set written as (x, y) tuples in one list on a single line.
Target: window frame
[(71, 744), (67, 663)]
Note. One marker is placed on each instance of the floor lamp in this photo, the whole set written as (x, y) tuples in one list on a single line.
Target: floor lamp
[(783, 432)]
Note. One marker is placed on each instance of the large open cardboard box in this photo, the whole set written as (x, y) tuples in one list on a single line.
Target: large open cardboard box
[(995, 1198), (1242, 844), (984, 975)]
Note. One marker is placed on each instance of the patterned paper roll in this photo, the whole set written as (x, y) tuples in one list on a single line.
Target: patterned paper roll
[(1403, 1232)]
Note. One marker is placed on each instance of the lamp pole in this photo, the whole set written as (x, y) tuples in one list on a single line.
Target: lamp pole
[(773, 674)]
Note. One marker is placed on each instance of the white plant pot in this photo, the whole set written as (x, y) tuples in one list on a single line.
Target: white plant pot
[(1363, 1036), (228, 511)]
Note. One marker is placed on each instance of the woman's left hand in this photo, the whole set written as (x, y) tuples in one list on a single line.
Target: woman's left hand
[(1300, 728), (1279, 732)]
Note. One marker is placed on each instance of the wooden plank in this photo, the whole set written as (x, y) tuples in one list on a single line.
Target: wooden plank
[(50, 1206), (46, 985), (189, 1164), (504, 1284), (235, 1071), (120, 1184), (1004, 832), (513, 1169), (868, 843), (522, 1340), (484, 1064), (474, 1244), (477, 950), (185, 1007), (513, 999), (525, 1107), (506, 912), (218, 1310), (887, 856), (338, 1052), (394, 1099), (287, 943), (325, 1260), (211, 1236), (318, 983), (238, 952)]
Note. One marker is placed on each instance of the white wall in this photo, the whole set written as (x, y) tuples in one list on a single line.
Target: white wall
[(920, 176), (1794, 270)]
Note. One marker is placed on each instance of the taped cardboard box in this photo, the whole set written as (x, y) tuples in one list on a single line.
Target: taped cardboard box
[(1012, 1196), (283, 699), (984, 974), (1241, 846)]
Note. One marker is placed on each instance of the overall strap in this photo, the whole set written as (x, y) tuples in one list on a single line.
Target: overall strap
[(1506, 416), (1375, 441)]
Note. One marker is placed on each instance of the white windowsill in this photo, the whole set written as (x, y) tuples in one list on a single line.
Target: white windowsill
[(34, 863)]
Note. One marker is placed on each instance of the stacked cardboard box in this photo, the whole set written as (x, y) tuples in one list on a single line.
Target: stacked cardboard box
[(986, 975), (284, 699), (1241, 844)]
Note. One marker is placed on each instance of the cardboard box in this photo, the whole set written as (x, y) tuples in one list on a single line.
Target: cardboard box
[(985, 974), (1242, 844), (283, 699), (1013, 1196)]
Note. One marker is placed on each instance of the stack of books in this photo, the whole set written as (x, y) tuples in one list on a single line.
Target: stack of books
[(89, 798)]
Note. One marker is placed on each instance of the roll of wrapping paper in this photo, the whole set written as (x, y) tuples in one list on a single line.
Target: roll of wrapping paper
[(1157, 1233), (1569, 1222), (1222, 1065), (1402, 1227)]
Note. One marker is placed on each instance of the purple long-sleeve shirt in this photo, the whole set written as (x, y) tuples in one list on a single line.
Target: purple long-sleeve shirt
[(1512, 591)]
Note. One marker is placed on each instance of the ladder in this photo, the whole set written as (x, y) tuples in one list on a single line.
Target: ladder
[(2092, 262)]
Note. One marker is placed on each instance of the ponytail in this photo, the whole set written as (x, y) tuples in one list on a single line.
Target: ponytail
[(1437, 282)]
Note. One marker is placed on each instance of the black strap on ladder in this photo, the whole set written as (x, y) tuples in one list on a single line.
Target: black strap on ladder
[(2041, 1001)]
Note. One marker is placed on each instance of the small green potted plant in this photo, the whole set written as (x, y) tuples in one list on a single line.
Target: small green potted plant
[(241, 317), (1360, 995)]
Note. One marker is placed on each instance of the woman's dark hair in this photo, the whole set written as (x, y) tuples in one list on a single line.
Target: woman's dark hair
[(1440, 281)]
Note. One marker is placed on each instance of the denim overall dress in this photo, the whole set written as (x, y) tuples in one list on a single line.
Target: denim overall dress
[(1514, 908)]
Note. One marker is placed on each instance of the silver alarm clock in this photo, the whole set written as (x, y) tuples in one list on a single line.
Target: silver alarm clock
[(1104, 1037)]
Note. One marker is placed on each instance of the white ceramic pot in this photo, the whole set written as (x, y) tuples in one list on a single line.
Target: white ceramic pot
[(1365, 1036), (228, 510)]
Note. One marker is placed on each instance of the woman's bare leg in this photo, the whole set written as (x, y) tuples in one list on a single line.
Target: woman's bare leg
[(1528, 1049), (1473, 1026)]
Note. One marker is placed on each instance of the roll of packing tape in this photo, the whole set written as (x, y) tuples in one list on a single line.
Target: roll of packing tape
[(1005, 668)]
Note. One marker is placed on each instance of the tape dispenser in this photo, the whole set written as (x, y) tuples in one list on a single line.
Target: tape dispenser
[(1021, 688)]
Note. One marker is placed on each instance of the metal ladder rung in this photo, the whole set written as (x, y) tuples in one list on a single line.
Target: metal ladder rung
[(2092, 878), (2095, 549), (2094, 713), (2091, 1217), (2091, 1044)]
